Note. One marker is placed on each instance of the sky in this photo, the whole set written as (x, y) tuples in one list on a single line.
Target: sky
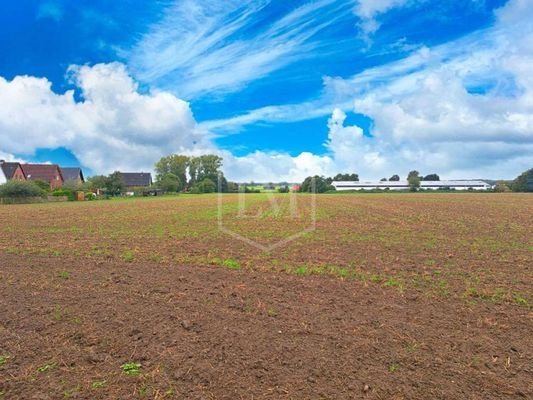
[(280, 89)]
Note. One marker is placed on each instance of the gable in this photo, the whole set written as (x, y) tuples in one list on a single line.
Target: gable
[(72, 174), (11, 170)]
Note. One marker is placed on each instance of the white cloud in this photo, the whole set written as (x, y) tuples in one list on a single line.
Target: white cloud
[(368, 10), (424, 114), (114, 127), (262, 166), (199, 47)]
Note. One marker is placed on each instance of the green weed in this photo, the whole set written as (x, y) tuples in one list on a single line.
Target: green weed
[(231, 264), (128, 256), (46, 367), (4, 360), (63, 275), (131, 368), (394, 367), (99, 384), (70, 392), (58, 313), (520, 300)]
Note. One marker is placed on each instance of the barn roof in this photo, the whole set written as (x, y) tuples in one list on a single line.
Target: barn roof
[(131, 179), (72, 174), (41, 172), (404, 183), (9, 168)]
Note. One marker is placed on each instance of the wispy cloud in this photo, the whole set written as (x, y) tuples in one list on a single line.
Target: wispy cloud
[(215, 47), (423, 111), (475, 58)]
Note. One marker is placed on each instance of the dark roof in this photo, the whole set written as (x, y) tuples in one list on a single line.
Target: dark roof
[(131, 179), (72, 174), (9, 169), (41, 172)]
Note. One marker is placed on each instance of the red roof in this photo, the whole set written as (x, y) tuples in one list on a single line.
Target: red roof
[(42, 172)]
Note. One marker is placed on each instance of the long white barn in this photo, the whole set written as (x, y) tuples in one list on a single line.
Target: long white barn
[(404, 185)]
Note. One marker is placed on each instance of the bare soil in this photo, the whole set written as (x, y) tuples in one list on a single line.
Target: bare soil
[(393, 296), (214, 333)]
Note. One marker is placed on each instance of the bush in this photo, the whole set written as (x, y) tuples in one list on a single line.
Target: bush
[(524, 182), (205, 186), (44, 186), (169, 183), (69, 194), (20, 189)]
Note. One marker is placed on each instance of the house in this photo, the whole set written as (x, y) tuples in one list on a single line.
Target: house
[(49, 173), (404, 185), (11, 171), (74, 174), (136, 179)]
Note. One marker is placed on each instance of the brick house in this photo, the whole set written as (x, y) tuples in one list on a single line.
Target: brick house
[(11, 171), (49, 173)]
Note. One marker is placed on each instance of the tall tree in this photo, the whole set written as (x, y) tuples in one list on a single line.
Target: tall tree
[(114, 183), (175, 164), (414, 173), (210, 165), (431, 177), (346, 177), (316, 184), (414, 180), (524, 182)]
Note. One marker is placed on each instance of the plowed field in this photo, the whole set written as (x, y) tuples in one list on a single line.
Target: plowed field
[(372, 296)]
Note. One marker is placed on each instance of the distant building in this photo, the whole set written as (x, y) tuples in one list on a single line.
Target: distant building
[(404, 185), (49, 173), (11, 171), (136, 179), (72, 175)]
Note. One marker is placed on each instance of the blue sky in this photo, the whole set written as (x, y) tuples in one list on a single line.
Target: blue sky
[(280, 89)]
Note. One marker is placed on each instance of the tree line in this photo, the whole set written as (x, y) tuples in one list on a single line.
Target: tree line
[(323, 184)]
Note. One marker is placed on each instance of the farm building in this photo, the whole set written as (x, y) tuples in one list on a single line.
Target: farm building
[(11, 171), (404, 185), (136, 179), (49, 173), (74, 174)]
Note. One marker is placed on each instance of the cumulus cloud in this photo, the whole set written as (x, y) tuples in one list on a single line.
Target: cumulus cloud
[(112, 127), (263, 166), (115, 127), (431, 118), (463, 109)]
